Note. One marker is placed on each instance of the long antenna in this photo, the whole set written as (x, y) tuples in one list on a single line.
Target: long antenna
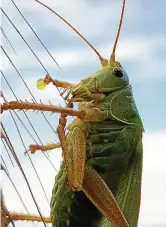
[(103, 61), (112, 58)]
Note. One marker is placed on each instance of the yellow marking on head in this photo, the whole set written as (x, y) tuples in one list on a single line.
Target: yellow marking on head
[(115, 64), (104, 62)]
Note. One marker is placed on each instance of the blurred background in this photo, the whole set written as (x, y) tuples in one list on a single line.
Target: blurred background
[(142, 52)]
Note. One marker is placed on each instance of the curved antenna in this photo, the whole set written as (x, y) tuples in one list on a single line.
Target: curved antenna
[(103, 61), (112, 58)]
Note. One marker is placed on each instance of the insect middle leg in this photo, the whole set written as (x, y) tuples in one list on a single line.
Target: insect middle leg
[(50, 146)]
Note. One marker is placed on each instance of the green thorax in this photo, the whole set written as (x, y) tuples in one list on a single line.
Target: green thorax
[(113, 82), (123, 107), (108, 89)]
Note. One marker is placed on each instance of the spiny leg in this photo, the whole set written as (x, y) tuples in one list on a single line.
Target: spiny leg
[(79, 156), (19, 105), (97, 191), (74, 154)]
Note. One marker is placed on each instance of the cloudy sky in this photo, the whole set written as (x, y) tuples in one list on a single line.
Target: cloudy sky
[(142, 52)]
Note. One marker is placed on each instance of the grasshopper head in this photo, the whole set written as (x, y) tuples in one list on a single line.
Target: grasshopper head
[(111, 78), (108, 79)]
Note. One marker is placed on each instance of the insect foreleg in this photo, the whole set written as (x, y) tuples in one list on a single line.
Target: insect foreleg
[(97, 191), (42, 83), (74, 152), (56, 83)]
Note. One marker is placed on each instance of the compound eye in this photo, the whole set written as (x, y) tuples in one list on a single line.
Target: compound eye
[(118, 72)]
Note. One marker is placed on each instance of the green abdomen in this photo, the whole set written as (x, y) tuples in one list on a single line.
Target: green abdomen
[(117, 156), (115, 151), (70, 208)]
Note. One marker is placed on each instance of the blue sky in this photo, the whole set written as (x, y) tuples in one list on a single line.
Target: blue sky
[(142, 52)]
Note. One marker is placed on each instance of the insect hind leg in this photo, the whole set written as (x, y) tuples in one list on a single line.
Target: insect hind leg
[(74, 151), (99, 194)]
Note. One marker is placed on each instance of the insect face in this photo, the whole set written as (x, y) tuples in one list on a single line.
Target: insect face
[(108, 79)]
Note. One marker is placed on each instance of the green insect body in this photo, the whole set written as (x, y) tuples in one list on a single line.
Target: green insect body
[(99, 181), (113, 149)]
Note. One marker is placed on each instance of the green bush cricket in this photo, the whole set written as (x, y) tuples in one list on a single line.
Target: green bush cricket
[(99, 182)]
